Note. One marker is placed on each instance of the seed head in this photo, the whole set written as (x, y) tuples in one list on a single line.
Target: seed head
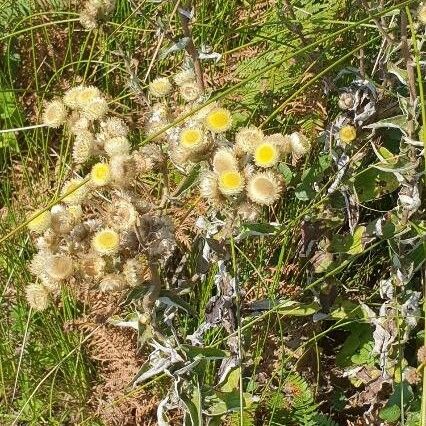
[(248, 138), (223, 160), (55, 114), (37, 296), (160, 87), (264, 188)]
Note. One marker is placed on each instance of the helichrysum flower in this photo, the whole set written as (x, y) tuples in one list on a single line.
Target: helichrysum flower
[(160, 87), (218, 120), (62, 219), (118, 145), (122, 215), (96, 109), (192, 138), (300, 144), (92, 266), (190, 91), (59, 267), (106, 241), (70, 98), (37, 265), (84, 95), (83, 147), (76, 212), (55, 114), (248, 211), (123, 169), (209, 189), (76, 190), (133, 271), (266, 155), (264, 188), (346, 100), (100, 174), (282, 142), (347, 134), (184, 77), (223, 160), (78, 123), (421, 13), (248, 138), (114, 127), (37, 296), (231, 182), (112, 282), (148, 158), (88, 20), (40, 223)]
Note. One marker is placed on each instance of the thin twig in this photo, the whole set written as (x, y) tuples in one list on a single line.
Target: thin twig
[(380, 27), (190, 47)]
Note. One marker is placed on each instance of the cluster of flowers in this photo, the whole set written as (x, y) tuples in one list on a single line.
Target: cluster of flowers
[(94, 11), (102, 233), (239, 176)]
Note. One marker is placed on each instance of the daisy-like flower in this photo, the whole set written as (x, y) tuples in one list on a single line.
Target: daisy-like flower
[(160, 87), (347, 134), (264, 188), (300, 144), (37, 296), (96, 108), (231, 182), (421, 13), (192, 138), (84, 95), (190, 91), (114, 127), (40, 223), (282, 142), (83, 147), (122, 215), (92, 266), (59, 267), (248, 138), (76, 191), (106, 241), (55, 114), (123, 169), (112, 282), (218, 120), (100, 174), (184, 77), (119, 145), (223, 160), (266, 155)]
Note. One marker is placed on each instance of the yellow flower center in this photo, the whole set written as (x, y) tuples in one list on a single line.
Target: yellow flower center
[(108, 239), (191, 137), (219, 120), (347, 134), (266, 155), (230, 179), (101, 174)]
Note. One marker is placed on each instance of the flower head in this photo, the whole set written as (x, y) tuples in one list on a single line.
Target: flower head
[(248, 138), (300, 144), (113, 282), (347, 134), (96, 108), (266, 155), (118, 145), (122, 215), (264, 188), (40, 223), (62, 219), (160, 87), (59, 267), (190, 91), (184, 77), (209, 189), (218, 120), (37, 296), (100, 174), (54, 114), (84, 95), (83, 147), (106, 241), (92, 266), (223, 160), (231, 182), (249, 211), (192, 138), (133, 271), (123, 169), (114, 127), (76, 191), (70, 98)]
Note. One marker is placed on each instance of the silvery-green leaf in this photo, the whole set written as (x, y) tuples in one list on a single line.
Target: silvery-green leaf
[(400, 73), (176, 47), (132, 321), (397, 122)]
